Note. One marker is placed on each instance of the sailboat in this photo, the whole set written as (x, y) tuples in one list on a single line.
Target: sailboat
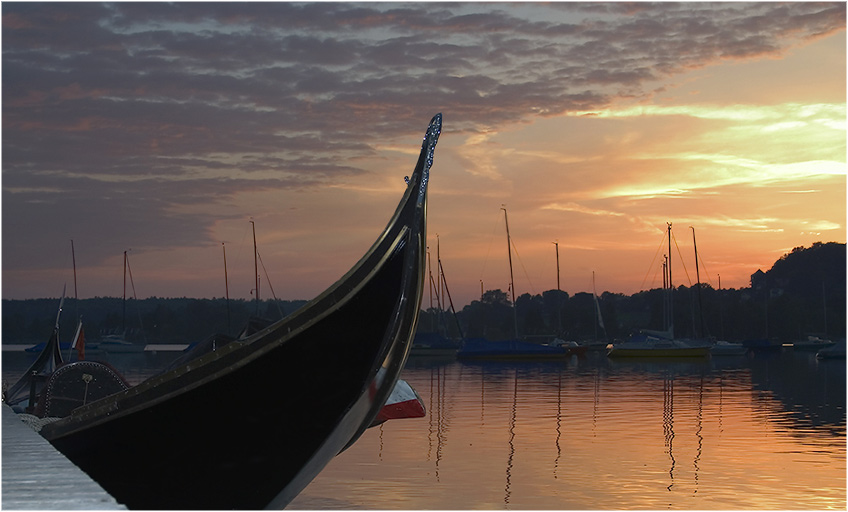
[(117, 343), (649, 343), (481, 348), (24, 392), (718, 347), (250, 424)]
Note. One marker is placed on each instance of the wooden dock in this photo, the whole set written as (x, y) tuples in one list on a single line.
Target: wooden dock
[(37, 477)]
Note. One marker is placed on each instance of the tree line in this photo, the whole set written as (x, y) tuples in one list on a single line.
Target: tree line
[(802, 294)]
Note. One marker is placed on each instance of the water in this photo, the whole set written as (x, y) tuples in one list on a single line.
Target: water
[(729, 433), (761, 432)]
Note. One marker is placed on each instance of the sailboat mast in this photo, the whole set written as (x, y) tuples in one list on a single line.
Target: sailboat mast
[(226, 286), (511, 279), (559, 291), (255, 265), (76, 297), (670, 286), (74, 262), (124, 300), (698, 280), (439, 286), (595, 298), (665, 291)]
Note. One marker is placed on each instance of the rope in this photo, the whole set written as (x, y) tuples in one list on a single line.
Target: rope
[(659, 248), (532, 289), (276, 301), (489, 249), (682, 262)]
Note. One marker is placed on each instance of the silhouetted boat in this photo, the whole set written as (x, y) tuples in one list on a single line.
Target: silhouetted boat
[(249, 424)]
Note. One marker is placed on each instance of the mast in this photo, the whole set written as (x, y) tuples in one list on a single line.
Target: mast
[(74, 262), (511, 280), (440, 285), (124, 300), (430, 275), (226, 286), (698, 280), (255, 265), (665, 290), (450, 301), (670, 287), (599, 319), (559, 291), (76, 299)]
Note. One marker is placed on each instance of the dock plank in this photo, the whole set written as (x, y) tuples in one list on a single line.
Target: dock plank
[(36, 476)]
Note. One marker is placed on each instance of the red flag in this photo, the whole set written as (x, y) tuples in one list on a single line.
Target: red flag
[(79, 342)]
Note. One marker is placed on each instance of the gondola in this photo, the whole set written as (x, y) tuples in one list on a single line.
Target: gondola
[(250, 424)]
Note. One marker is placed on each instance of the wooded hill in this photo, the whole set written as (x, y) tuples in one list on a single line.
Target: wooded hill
[(803, 293)]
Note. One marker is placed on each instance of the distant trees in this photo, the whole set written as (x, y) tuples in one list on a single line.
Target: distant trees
[(152, 320), (803, 293)]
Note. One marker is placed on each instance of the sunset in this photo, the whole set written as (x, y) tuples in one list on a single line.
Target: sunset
[(164, 129), (636, 211)]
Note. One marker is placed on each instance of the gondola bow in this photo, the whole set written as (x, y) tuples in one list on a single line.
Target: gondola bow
[(249, 425)]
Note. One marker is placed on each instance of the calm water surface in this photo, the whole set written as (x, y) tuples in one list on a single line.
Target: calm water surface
[(754, 432), (766, 432)]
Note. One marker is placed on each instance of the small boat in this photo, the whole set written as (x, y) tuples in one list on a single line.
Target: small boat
[(727, 348), (117, 344), (572, 348), (812, 343), (481, 348), (656, 346), (660, 343), (249, 424), (23, 393)]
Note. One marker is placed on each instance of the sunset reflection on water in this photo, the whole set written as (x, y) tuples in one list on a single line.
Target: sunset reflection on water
[(763, 432)]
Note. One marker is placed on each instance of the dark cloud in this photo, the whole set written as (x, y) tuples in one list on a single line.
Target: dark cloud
[(121, 107)]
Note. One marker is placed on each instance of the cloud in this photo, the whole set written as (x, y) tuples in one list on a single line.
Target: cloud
[(137, 109)]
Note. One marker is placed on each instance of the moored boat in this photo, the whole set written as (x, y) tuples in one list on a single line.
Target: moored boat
[(117, 344), (661, 343), (249, 424), (653, 346), (812, 343), (727, 348)]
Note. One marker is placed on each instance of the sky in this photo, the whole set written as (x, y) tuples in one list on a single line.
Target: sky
[(164, 129)]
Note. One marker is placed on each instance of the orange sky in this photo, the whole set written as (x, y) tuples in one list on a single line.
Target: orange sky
[(746, 145)]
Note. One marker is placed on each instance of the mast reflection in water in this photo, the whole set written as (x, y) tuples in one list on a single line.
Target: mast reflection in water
[(756, 432)]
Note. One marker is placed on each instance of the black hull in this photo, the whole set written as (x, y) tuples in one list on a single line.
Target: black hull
[(251, 424)]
